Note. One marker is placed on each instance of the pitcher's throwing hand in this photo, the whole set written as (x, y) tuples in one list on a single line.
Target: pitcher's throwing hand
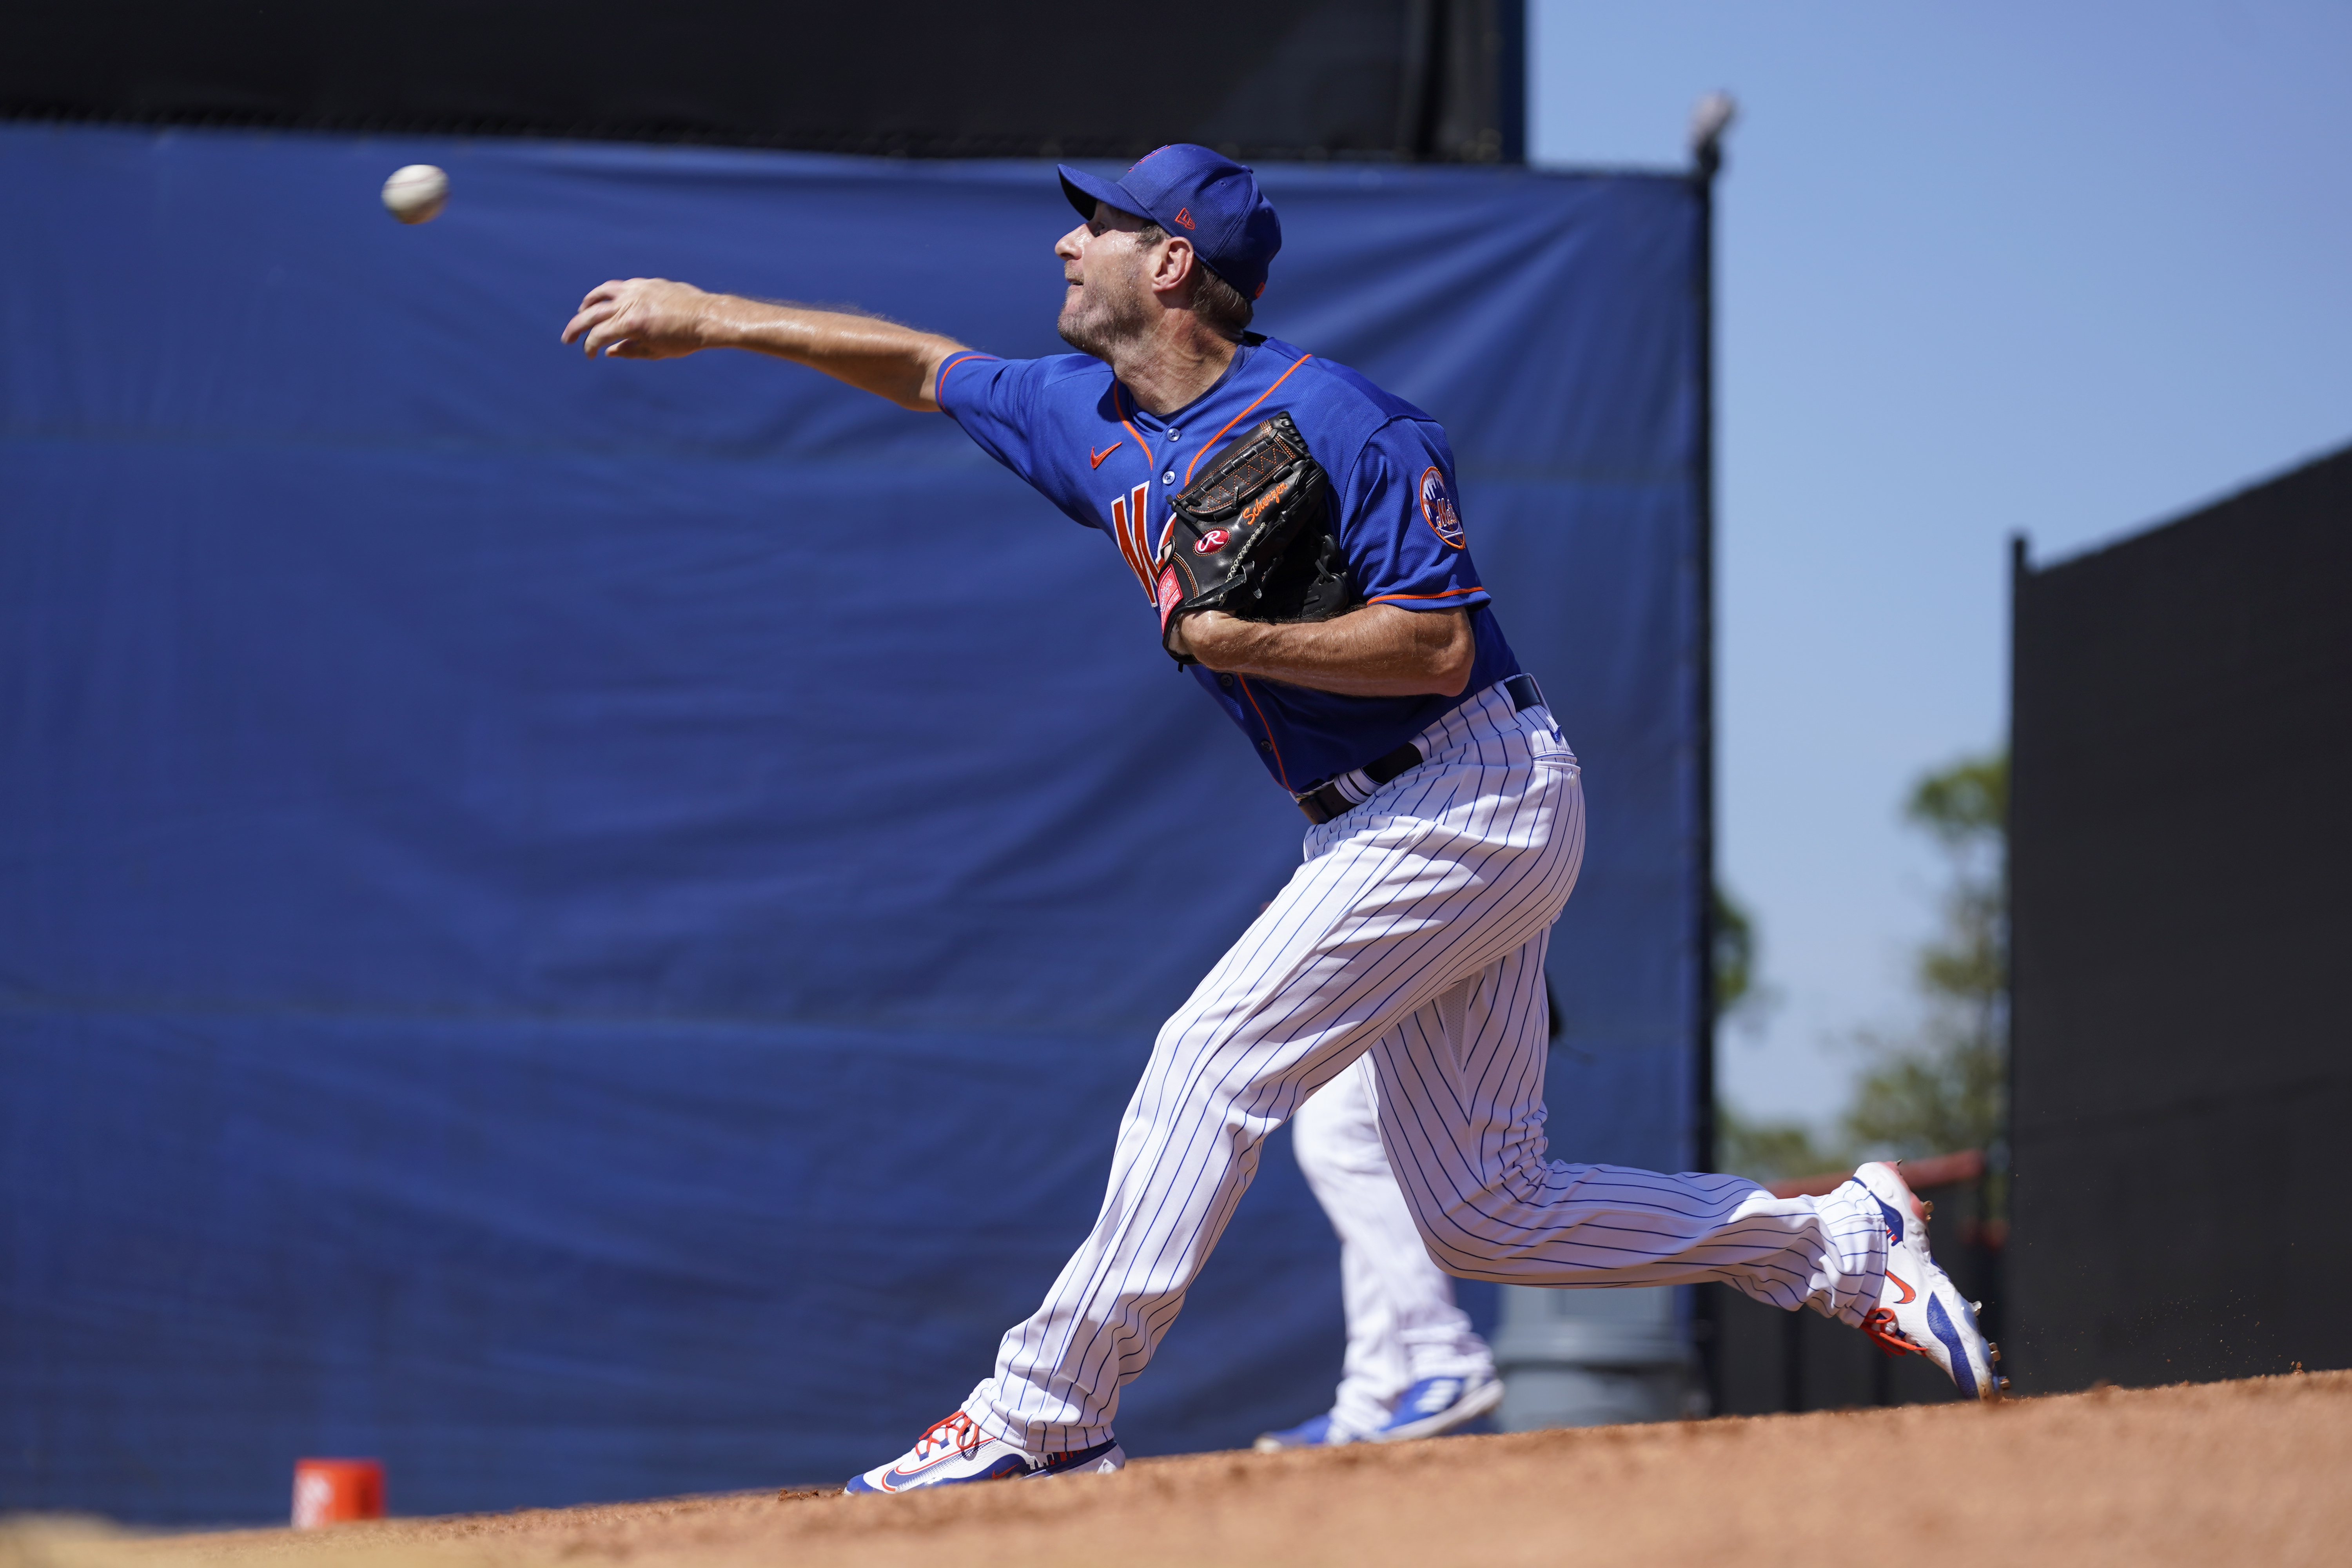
[(641, 318)]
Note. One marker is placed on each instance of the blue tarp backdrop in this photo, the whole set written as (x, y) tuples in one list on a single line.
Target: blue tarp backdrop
[(583, 928)]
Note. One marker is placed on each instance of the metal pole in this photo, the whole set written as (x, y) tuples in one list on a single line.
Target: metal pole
[(1708, 122), (1707, 158), (2001, 1159)]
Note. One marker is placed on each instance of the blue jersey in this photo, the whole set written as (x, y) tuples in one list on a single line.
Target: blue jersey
[(1067, 426)]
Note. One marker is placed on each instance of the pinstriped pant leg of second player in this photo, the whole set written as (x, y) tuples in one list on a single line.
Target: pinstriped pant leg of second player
[(1419, 916)]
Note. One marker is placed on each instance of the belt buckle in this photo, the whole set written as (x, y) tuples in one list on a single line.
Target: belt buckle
[(1325, 803)]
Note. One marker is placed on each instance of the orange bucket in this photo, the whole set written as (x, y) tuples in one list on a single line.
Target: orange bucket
[(329, 1491)]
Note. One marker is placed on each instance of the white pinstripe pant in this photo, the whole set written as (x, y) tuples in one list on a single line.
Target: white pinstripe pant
[(1415, 931), (1402, 1323)]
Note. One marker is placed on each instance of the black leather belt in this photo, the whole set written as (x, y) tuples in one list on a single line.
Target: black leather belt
[(1326, 801)]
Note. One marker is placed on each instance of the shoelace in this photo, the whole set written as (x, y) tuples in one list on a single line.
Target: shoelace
[(956, 1428), (1880, 1327)]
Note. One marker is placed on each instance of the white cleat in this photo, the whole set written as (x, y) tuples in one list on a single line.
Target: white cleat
[(1919, 1312), (953, 1451)]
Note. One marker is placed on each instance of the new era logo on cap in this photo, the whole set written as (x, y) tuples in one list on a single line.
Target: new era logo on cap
[(1214, 200)]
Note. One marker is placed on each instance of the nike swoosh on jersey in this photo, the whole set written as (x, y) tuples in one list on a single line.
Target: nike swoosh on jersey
[(1106, 452)]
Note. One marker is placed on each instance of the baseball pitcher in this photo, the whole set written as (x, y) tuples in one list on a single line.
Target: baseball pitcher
[(1297, 542)]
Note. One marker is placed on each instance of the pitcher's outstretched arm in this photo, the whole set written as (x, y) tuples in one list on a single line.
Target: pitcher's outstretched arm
[(653, 318)]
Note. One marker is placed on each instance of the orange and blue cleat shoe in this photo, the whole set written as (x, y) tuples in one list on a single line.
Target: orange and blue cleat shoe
[(954, 1450), (1920, 1311)]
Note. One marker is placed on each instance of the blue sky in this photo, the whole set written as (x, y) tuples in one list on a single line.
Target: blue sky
[(2064, 269)]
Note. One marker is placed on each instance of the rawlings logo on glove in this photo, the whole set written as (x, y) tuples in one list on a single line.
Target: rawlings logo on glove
[(1252, 538)]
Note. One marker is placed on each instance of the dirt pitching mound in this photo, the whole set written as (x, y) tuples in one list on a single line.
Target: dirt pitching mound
[(2259, 1471)]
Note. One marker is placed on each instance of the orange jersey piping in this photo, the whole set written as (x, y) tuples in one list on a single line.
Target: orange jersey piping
[(953, 362), (1450, 592), (1211, 444), (1151, 461)]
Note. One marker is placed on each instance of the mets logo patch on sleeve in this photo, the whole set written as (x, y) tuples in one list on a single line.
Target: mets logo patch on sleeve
[(1438, 507)]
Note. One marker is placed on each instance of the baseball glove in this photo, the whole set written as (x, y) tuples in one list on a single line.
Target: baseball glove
[(1252, 537)]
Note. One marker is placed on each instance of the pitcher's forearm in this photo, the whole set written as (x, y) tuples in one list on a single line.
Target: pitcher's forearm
[(870, 353), (653, 318), (1376, 651)]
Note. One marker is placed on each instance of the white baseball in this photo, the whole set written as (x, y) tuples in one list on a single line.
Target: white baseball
[(416, 193)]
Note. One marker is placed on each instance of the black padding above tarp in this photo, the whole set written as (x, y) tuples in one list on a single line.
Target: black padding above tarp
[(1413, 79)]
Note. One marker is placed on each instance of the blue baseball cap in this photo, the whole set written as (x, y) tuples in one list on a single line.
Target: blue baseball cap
[(1204, 196)]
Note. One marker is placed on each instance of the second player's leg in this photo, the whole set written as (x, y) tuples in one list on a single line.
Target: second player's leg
[(1403, 1326)]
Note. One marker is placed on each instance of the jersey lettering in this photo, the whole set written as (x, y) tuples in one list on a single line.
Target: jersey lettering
[(1127, 527)]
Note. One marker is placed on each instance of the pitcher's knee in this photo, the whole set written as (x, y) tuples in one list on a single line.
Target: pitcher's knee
[(1464, 1231)]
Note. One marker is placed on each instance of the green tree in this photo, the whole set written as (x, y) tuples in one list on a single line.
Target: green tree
[(1734, 956), (1940, 1088), (1768, 1151), (1761, 1151)]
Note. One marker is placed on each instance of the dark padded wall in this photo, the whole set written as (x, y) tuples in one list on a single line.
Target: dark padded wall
[(2183, 887), (1409, 79)]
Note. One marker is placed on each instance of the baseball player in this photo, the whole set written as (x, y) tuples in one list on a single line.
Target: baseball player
[(1414, 1367), (1296, 539)]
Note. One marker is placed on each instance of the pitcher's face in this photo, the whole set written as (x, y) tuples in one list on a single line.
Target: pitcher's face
[(1107, 300)]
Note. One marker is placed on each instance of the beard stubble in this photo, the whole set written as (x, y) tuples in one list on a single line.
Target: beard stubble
[(1107, 319)]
